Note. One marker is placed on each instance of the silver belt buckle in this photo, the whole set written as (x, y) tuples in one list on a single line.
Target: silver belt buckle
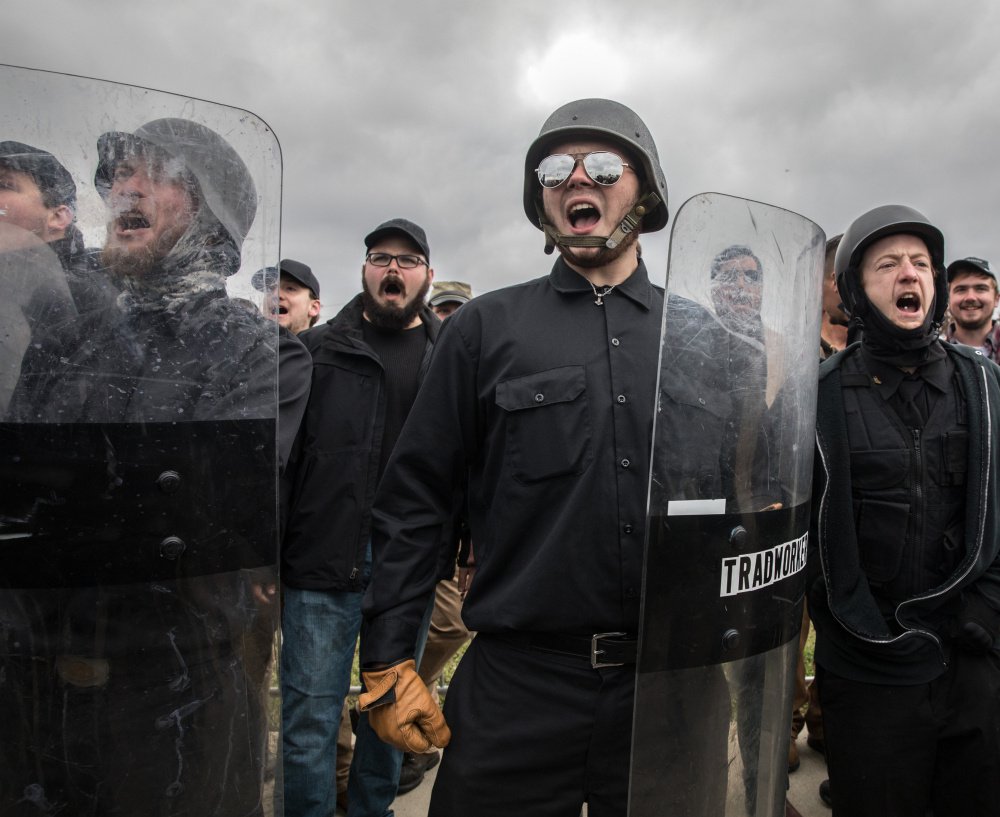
[(595, 662)]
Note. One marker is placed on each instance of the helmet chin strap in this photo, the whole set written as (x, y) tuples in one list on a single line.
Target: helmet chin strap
[(632, 220)]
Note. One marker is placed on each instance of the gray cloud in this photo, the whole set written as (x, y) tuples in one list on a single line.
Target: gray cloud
[(425, 110)]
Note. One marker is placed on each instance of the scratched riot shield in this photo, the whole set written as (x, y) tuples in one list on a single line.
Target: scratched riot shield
[(728, 511), (138, 477)]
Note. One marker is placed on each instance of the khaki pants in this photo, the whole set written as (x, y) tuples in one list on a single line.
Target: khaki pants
[(447, 632), (806, 709)]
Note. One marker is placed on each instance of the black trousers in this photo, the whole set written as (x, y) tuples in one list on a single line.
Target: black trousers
[(912, 751), (534, 734)]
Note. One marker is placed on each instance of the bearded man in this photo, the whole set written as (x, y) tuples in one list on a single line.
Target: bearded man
[(133, 667), (368, 362)]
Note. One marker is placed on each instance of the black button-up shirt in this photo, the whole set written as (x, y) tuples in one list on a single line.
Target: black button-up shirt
[(544, 401)]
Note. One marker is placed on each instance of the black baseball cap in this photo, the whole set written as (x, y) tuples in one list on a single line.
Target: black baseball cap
[(53, 180), (412, 231), (971, 264), (267, 278)]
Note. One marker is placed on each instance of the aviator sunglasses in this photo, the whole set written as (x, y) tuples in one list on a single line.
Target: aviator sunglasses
[(602, 166)]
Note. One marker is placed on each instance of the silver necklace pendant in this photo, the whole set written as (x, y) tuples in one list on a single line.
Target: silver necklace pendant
[(605, 290)]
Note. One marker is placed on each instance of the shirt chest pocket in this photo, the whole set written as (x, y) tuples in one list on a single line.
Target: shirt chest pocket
[(548, 429)]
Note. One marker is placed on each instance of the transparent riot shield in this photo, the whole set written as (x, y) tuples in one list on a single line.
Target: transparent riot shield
[(138, 476), (728, 511)]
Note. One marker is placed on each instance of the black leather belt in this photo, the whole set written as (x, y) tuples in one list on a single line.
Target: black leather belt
[(601, 649)]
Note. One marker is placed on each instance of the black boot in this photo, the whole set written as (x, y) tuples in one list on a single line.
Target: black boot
[(414, 769)]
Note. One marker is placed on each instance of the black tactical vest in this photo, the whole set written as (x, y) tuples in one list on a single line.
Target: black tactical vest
[(907, 487)]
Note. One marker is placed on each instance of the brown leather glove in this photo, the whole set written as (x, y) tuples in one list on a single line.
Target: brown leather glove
[(402, 711)]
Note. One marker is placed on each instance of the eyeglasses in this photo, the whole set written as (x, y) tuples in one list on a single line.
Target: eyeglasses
[(730, 275), (601, 166), (384, 259)]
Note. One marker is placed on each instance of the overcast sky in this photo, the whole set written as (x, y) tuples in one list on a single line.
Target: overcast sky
[(425, 109)]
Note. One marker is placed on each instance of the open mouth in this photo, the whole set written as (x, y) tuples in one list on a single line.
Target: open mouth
[(132, 220), (392, 288), (583, 216), (908, 303)]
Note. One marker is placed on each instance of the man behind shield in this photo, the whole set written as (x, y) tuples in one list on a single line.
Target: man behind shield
[(180, 202), (905, 544), (134, 666), (541, 395)]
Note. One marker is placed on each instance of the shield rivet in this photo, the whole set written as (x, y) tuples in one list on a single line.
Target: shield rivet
[(169, 481), (172, 547)]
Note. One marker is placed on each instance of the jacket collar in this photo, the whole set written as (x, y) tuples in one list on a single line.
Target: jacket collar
[(349, 320)]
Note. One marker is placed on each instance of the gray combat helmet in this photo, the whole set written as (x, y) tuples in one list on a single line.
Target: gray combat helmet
[(601, 119), (865, 230), (225, 184)]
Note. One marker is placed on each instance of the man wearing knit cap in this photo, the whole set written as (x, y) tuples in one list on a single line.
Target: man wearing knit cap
[(133, 655)]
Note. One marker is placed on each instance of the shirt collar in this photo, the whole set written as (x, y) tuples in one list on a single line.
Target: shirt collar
[(990, 343), (636, 287)]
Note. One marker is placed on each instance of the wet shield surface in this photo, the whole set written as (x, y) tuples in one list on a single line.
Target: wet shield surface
[(138, 476), (724, 569)]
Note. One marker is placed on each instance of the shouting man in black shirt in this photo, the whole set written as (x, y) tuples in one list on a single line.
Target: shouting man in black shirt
[(541, 396)]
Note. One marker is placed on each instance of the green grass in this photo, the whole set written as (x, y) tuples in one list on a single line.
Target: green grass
[(809, 652)]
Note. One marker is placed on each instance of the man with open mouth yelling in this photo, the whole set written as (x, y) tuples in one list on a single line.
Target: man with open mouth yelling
[(157, 690), (540, 399), (906, 538), (368, 362), (151, 204), (396, 276)]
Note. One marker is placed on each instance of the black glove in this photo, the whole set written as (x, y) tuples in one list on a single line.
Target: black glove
[(976, 625)]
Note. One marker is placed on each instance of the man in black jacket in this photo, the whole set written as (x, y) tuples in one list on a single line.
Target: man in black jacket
[(368, 363), (132, 653), (540, 398), (905, 544), (38, 194)]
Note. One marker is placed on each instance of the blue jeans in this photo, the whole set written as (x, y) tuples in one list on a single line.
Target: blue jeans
[(319, 633)]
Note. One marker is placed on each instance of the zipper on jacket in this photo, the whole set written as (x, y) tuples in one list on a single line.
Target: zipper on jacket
[(919, 512)]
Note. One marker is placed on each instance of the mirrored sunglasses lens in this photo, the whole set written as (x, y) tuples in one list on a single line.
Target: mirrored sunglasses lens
[(554, 170), (603, 167)]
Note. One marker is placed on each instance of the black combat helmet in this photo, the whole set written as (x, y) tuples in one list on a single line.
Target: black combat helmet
[(890, 219), (610, 121), (223, 180)]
